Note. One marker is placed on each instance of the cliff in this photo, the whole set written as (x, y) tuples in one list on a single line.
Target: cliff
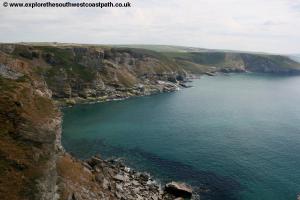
[(200, 62), (29, 125), (33, 164), (91, 72)]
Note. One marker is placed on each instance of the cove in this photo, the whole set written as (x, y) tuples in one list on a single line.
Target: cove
[(237, 135)]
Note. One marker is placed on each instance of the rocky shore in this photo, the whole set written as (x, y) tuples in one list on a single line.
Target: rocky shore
[(31, 124), (121, 94), (111, 179)]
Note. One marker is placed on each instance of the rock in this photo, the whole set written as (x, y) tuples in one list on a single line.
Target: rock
[(179, 189), (8, 72), (109, 171), (127, 169), (136, 190), (72, 197), (210, 73), (99, 178), (105, 184), (185, 85), (120, 177), (87, 170), (118, 195), (70, 102), (181, 77), (154, 198), (172, 79), (119, 187), (135, 183), (144, 176), (298, 197), (94, 161), (97, 169), (86, 165), (139, 197)]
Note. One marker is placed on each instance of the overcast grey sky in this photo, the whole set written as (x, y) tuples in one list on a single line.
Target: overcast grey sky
[(254, 25)]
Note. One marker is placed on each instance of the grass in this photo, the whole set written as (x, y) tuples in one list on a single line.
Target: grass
[(203, 58), (272, 61), (141, 53), (64, 61)]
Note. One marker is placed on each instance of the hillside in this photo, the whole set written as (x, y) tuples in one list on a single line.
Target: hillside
[(33, 164)]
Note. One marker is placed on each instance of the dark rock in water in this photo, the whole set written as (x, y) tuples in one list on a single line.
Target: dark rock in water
[(179, 189), (184, 85), (232, 70), (144, 176), (180, 78)]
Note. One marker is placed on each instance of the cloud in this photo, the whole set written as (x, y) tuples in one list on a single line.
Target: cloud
[(226, 24)]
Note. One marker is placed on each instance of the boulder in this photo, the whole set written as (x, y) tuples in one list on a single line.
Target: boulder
[(179, 189), (105, 184), (120, 177), (99, 178), (94, 161)]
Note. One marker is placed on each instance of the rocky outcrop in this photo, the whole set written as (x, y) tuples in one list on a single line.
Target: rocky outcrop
[(111, 179), (7, 72), (179, 189)]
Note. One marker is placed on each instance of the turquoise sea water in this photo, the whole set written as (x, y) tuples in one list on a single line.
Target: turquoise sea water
[(236, 135)]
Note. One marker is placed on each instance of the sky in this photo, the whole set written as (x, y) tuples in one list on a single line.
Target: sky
[(251, 25)]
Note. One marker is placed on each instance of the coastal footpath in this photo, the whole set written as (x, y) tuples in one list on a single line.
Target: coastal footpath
[(36, 79)]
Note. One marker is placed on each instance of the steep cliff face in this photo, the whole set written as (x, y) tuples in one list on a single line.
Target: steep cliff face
[(29, 124), (92, 72), (270, 64)]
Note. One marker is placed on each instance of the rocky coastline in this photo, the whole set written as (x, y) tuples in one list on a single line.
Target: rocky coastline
[(155, 88), (35, 81), (111, 179)]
